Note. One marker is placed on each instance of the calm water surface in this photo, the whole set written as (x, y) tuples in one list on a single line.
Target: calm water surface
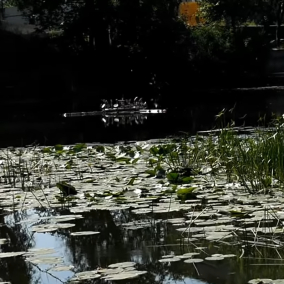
[(115, 244), (52, 128)]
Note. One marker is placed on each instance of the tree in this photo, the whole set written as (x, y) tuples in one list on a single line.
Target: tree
[(130, 42), (271, 12), (236, 13), (232, 13)]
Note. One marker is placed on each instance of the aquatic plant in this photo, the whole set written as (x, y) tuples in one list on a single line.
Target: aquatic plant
[(254, 158)]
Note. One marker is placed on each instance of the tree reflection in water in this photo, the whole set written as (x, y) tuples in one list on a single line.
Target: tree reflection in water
[(15, 269), (115, 243)]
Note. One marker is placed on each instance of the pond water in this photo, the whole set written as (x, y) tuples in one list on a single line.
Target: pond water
[(152, 238), (50, 128), (136, 230), (126, 225)]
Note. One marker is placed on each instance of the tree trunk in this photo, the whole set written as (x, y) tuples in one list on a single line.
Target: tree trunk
[(90, 11), (280, 13), (101, 33)]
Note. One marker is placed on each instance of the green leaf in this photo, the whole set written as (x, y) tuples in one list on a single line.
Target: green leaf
[(187, 179), (154, 150), (66, 188), (139, 148), (186, 193), (46, 150), (58, 147), (173, 177), (123, 159), (79, 147), (59, 152), (111, 156), (135, 161), (131, 182), (151, 173), (69, 164), (152, 161)]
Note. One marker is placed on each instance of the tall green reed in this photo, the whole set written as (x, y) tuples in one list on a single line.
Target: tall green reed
[(256, 159)]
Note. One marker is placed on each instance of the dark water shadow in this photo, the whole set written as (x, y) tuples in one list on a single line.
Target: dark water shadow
[(190, 116)]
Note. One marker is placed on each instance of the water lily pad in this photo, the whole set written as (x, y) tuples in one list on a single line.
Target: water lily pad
[(170, 259), (44, 228), (142, 211), (109, 271), (228, 255), (130, 268), (85, 275), (124, 276), (190, 254), (64, 225), (11, 254), (262, 281), (84, 233), (176, 220), (193, 260), (168, 256), (122, 264), (62, 268), (39, 251), (3, 241), (45, 260), (213, 258)]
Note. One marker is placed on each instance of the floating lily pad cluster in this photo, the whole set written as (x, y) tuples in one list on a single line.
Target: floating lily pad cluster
[(114, 272), (190, 257), (117, 177), (133, 177), (266, 281), (40, 256)]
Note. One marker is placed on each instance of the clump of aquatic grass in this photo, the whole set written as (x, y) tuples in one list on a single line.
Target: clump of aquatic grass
[(183, 156), (255, 159)]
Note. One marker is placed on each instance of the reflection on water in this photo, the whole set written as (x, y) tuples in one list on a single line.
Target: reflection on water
[(55, 129), (115, 243), (120, 120), (197, 112)]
